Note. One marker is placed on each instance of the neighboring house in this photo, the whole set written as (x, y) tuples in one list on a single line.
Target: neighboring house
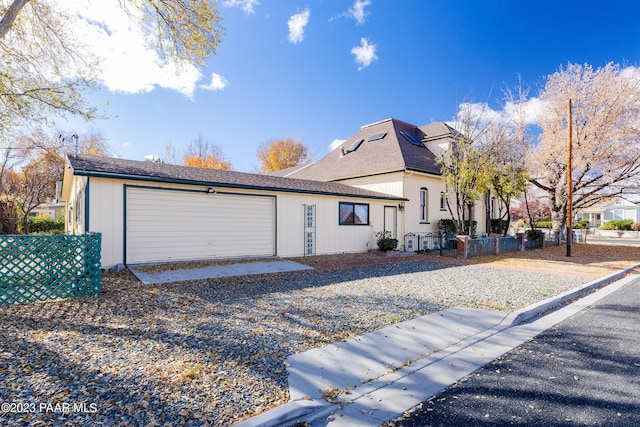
[(398, 158), (609, 209), (150, 212), (53, 209)]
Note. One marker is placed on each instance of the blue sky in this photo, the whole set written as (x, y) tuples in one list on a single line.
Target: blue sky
[(317, 70)]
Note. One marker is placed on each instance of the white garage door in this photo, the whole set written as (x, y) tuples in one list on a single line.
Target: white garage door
[(167, 225)]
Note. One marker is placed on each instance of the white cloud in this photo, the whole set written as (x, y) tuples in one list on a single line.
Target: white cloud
[(126, 63), (247, 6), (218, 82), (530, 112), (336, 143), (357, 12), (365, 53), (297, 23)]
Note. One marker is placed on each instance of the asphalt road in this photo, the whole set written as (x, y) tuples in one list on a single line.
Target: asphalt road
[(584, 371)]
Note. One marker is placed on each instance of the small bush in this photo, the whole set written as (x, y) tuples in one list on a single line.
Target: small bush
[(499, 225), (581, 225), (447, 226), (544, 224), (39, 224), (534, 234), (618, 224), (385, 242), (521, 223), (635, 226)]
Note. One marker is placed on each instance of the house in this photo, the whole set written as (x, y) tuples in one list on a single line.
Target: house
[(397, 158), (609, 209), (54, 208), (150, 212)]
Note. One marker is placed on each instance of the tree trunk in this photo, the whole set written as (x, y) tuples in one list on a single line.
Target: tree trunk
[(10, 16), (558, 217)]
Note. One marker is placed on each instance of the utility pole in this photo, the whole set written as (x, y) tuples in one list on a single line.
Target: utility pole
[(569, 184)]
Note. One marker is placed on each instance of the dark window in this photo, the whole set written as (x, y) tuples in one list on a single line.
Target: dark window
[(411, 138), (377, 136), (443, 204), (355, 145), (354, 213), (424, 205)]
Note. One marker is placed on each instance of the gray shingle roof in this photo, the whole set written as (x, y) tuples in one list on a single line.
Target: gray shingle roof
[(392, 153), (148, 171)]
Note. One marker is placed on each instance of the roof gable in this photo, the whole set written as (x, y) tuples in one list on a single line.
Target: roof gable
[(108, 167), (381, 147)]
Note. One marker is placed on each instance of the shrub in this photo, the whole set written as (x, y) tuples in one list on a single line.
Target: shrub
[(447, 226), (474, 228), (635, 226), (385, 242), (618, 224), (496, 226), (544, 224), (534, 234), (39, 224), (521, 223), (582, 224)]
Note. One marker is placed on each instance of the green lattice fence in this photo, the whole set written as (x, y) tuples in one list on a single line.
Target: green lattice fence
[(47, 267)]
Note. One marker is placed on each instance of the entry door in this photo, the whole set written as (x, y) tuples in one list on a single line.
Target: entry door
[(391, 220)]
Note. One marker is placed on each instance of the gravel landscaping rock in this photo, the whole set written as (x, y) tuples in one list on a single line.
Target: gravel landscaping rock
[(211, 352)]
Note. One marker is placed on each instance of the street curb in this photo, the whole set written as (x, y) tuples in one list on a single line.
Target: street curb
[(288, 414), (300, 410), (541, 307)]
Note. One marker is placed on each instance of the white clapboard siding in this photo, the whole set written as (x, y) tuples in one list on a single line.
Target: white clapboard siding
[(164, 225)]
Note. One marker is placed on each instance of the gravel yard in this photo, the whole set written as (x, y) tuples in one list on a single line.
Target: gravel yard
[(211, 352)]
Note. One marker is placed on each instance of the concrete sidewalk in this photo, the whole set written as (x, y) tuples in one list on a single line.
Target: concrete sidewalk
[(215, 271), (375, 377)]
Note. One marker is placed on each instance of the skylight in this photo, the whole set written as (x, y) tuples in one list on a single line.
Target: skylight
[(355, 145), (377, 136), (411, 138)]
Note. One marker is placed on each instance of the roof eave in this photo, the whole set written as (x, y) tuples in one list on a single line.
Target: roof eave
[(229, 185)]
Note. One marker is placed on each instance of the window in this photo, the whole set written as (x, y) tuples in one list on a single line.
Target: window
[(355, 145), (443, 201), (411, 138), (353, 213), (377, 136), (424, 205)]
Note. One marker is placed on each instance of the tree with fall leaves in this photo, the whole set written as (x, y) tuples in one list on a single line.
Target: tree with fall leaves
[(46, 69), (203, 154), (30, 168), (34, 184), (282, 154)]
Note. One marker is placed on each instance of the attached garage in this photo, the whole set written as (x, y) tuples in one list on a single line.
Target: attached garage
[(175, 225)]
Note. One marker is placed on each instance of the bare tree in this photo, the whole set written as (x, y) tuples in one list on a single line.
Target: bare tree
[(606, 137)]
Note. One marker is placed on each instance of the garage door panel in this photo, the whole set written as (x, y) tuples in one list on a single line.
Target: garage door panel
[(173, 225)]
